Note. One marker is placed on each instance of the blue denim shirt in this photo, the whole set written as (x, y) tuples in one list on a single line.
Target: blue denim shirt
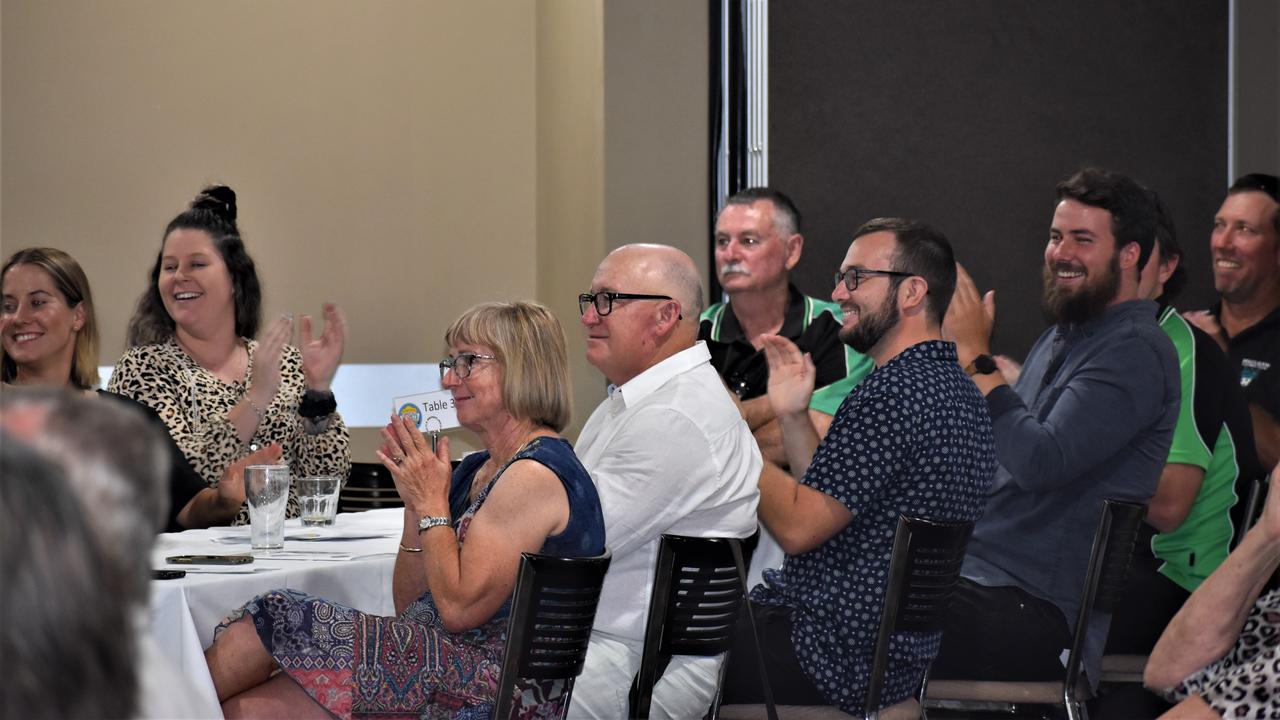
[(1099, 428)]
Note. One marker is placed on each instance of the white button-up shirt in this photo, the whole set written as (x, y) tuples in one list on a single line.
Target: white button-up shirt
[(669, 453)]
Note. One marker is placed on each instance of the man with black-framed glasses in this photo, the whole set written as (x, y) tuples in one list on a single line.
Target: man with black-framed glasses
[(913, 437), (668, 452), (758, 241)]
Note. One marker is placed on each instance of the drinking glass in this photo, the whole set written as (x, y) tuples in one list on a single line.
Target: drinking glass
[(318, 496), (267, 489)]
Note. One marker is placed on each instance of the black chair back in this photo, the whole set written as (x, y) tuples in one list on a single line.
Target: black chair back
[(1113, 544), (552, 610), (697, 594), (923, 570), (368, 487), (1248, 508)]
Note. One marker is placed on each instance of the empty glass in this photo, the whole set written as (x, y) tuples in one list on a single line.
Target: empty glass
[(267, 489), (319, 499)]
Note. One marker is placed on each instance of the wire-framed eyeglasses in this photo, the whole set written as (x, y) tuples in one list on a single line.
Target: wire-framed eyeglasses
[(461, 364), (603, 301), (854, 276)]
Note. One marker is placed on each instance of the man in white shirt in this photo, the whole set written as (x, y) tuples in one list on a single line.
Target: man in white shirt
[(669, 453)]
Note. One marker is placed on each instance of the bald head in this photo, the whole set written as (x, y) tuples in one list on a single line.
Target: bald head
[(670, 270), (638, 333)]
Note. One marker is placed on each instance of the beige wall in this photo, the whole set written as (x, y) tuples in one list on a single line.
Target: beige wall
[(656, 115), (571, 174), (405, 159)]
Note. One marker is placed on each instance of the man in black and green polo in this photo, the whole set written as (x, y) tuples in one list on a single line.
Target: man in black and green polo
[(758, 242)]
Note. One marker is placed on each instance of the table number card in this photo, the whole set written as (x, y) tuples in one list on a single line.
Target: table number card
[(431, 412)]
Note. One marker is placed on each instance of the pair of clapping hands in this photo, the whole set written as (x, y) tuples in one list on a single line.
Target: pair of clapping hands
[(422, 474), (320, 356)]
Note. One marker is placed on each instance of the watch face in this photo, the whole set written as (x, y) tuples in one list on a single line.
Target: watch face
[(984, 364)]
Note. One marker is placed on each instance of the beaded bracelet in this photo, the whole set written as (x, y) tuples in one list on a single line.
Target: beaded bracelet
[(254, 407)]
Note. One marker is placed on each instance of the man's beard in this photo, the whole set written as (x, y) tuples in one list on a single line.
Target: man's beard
[(1084, 304), (872, 327)]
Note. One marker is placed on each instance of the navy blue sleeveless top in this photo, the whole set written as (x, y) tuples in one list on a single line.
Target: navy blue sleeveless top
[(583, 535)]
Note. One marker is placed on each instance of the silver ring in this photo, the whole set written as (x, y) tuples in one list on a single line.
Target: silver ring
[(397, 460)]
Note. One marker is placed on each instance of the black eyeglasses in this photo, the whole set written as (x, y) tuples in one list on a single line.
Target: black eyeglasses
[(461, 364), (854, 276), (603, 301)]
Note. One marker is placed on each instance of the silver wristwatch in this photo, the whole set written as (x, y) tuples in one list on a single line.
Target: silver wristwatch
[(429, 522)]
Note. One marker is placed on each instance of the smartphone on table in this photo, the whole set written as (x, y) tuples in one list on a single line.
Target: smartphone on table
[(209, 559)]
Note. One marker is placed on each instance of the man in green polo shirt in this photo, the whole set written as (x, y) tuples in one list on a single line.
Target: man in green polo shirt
[(758, 242), (1189, 523)]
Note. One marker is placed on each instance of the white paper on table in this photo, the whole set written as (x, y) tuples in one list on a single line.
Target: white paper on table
[(322, 534), (431, 412), (307, 555), (312, 534), (212, 569)]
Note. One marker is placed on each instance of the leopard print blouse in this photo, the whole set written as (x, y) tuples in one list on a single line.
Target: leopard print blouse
[(194, 405), (1244, 683)]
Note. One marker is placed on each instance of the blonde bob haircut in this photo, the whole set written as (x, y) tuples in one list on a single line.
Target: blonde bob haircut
[(529, 342), (69, 280)]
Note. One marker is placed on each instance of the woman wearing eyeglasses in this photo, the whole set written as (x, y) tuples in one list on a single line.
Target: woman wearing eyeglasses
[(194, 360), (525, 492)]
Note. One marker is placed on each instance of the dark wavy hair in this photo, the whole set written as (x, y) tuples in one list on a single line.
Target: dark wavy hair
[(213, 212), (1167, 241), (1133, 216)]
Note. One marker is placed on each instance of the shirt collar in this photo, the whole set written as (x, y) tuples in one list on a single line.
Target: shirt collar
[(1113, 313), (647, 382), (792, 321), (1271, 318)]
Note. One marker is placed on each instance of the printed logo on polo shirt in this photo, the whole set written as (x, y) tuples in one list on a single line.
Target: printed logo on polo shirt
[(411, 411), (1250, 369)]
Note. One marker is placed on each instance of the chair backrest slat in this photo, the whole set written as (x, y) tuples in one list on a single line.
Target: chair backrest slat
[(924, 568), (553, 609), (694, 609), (1109, 561)]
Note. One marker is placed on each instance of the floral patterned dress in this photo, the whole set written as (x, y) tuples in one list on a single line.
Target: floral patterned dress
[(409, 666)]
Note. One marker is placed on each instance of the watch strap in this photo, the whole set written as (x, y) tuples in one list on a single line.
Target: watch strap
[(981, 365), (426, 523)]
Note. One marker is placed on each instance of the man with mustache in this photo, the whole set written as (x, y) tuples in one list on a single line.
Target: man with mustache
[(758, 242), (1245, 245), (1090, 418), (913, 437)]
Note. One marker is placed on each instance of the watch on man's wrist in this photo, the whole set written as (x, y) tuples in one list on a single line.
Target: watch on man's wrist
[(981, 365), (430, 521)]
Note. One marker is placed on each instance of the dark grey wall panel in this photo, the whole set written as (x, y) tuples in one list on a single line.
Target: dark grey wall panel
[(965, 113)]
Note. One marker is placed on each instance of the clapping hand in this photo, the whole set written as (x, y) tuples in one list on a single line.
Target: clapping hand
[(321, 356), (422, 476), (266, 361), (969, 318), (791, 376)]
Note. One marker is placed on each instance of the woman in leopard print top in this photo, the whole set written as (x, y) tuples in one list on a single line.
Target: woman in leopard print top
[(193, 361)]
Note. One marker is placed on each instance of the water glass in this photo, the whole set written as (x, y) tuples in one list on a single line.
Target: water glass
[(318, 496), (267, 489)]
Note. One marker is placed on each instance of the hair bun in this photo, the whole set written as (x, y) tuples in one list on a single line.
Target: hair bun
[(219, 199)]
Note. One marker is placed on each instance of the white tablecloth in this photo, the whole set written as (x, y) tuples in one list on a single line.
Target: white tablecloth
[(184, 612)]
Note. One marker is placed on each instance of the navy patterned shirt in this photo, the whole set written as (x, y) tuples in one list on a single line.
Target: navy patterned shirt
[(914, 437)]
